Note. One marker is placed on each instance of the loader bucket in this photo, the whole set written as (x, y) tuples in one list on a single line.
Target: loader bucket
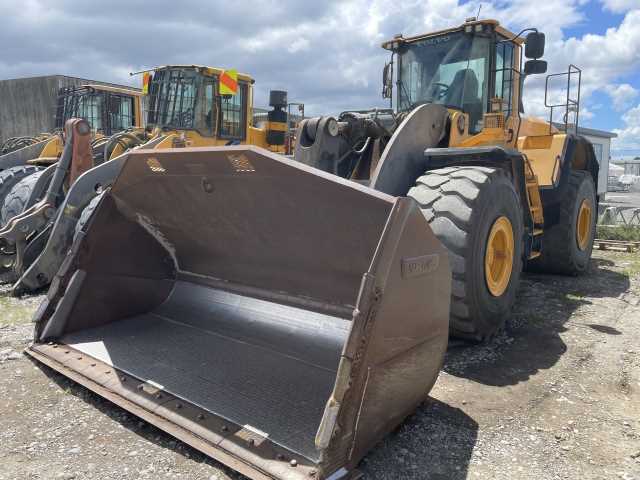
[(279, 319)]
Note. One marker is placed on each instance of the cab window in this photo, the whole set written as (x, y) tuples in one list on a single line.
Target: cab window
[(450, 69), (232, 114), (505, 75), (121, 112), (207, 108)]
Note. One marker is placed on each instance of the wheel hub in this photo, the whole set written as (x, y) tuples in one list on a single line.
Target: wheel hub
[(583, 227), (498, 260)]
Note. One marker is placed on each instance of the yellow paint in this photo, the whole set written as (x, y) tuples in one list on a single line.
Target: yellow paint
[(487, 136), (53, 148), (583, 226), (457, 136), (192, 138), (498, 259), (535, 127), (533, 193), (544, 153), (490, 135), (277, 126)]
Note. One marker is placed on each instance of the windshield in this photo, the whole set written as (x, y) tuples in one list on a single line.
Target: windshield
[(173, 98), (451, 70)]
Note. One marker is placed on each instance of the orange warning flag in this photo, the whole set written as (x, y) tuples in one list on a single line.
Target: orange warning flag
[(146, 78), (229, 82)]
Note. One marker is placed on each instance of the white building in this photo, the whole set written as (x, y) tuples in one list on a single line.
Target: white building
[(601, 142)]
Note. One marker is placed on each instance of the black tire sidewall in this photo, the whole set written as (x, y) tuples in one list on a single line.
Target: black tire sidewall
[(21, 192), (585, 191), (498, 198)]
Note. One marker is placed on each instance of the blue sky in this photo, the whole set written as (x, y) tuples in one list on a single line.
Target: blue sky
[(326, 53), (597, 19)]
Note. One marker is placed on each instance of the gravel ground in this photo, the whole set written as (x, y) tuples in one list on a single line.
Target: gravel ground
[(556, 396)]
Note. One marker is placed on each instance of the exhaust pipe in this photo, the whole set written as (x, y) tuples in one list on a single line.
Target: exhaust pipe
[(279, 319)]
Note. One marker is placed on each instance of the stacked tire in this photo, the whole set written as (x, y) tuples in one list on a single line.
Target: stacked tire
[(9, 180)]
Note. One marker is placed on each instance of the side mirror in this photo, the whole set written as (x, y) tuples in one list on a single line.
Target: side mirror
[(535, 67), (534, 45), (387, 80)]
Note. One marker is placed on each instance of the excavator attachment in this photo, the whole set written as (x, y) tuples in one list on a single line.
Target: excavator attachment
[(279, 319)]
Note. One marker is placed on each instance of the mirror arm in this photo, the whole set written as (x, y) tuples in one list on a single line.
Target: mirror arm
[(519, 35)]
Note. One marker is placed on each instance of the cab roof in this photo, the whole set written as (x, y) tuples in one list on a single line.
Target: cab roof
[(212, 70), (471, 22), (108, 88)]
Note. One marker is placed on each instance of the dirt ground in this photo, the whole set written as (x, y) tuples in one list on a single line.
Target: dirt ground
[(556, 396)]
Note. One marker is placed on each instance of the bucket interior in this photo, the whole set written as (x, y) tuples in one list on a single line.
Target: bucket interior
[(252, 362)]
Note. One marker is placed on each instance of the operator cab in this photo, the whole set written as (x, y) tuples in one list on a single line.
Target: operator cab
[(107, 109), (187, 98), (464, 69)]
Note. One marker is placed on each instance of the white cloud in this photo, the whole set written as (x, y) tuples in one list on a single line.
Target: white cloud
[(620, 6), (326, 53), (629, 136), (622, 95)]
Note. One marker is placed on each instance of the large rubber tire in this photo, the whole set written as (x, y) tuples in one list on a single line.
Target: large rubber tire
[(17, 199), (10, 177), (560, 252), (461, 205)]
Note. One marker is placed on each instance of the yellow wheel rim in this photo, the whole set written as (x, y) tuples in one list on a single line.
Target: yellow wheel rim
[(498, 259), (583, 227)]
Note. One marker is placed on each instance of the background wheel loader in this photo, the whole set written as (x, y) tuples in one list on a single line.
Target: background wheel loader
[(185, 108), (283, 319), (107, 109), (499, 190)]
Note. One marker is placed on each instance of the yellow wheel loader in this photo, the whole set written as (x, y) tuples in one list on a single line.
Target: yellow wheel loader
[(283, 319), (192, 106), (498, 189), (188, 106), (108, 110)]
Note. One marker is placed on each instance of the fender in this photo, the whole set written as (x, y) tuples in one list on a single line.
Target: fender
[(578, 154), (508, 159)]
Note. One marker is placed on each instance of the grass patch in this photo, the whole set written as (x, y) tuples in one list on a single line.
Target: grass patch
[(622, 232), (632, 270), (16, 311)]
